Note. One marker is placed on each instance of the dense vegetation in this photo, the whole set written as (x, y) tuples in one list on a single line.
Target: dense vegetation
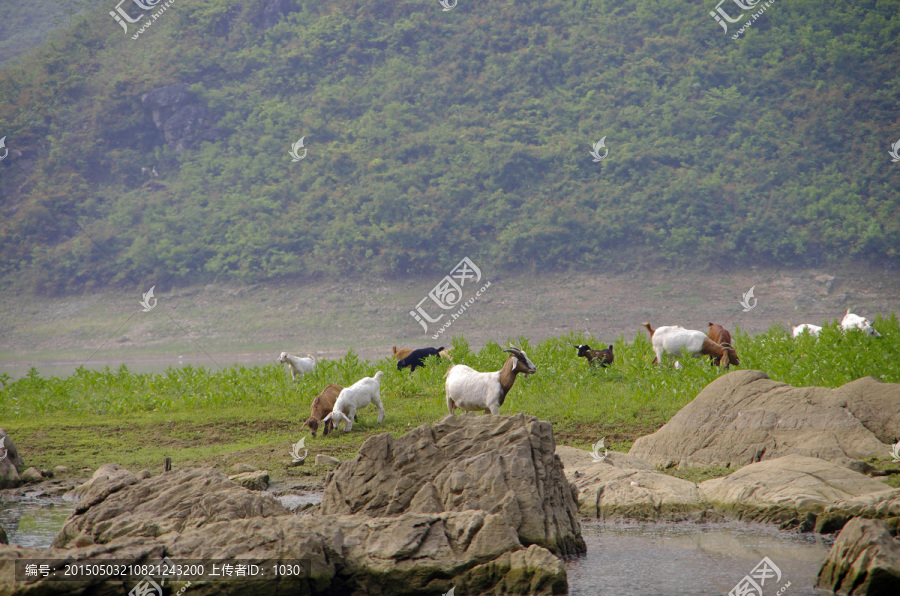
[(564, 390), (433, 135)]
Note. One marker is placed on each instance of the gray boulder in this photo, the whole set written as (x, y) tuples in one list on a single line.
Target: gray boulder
[(745, 417), (499, 464), (11, 462), (200, 514), (624, 487), (884, 505), (258, 480), (116, 503), (32, 475), (792, 490), (863, 561)]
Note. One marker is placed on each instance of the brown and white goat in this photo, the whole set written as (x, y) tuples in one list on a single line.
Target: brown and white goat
[(321, 407), (601, 357), (470, 390), (673, 339)]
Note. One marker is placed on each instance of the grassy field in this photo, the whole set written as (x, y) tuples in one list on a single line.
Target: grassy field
[(252, 415)]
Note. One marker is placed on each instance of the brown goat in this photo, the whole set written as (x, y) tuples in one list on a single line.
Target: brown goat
[(720, 335), (602, 357), (401, 353), (321, 407)]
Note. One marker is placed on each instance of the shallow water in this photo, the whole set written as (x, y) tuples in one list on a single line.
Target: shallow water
[(34, 522), (683, 559), (692, 559)]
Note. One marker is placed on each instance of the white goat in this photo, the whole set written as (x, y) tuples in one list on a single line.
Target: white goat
[(852, 321), (672, 339), (297, 366), (813, 330), (356, 397), (470, 390)]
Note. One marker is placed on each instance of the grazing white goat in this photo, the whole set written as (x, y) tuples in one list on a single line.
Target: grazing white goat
[(356, 397), (470, 390), (297, 366), (813, 330), (852, 321), (672, 339)]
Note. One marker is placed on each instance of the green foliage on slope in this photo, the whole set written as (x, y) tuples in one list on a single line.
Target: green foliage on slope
[(433, 135)]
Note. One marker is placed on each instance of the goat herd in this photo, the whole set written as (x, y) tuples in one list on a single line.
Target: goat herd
[(470, 390)]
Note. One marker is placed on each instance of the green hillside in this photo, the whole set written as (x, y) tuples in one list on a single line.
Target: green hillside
[(433, 135)]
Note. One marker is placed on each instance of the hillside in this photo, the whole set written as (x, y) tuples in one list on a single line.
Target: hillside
[(161, 156)]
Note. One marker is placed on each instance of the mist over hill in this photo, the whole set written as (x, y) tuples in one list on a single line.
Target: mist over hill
[(158, 150)]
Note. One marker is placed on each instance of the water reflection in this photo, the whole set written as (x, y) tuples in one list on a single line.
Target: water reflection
[(691, 559)]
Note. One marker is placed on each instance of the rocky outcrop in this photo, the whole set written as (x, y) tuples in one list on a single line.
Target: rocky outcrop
[(624, 487), (883, 505), (258, 480), (116, 503), (500, 464), (178, 114), (745, 417), (790, 491), (864, 560), (472, 551), (11, 462)]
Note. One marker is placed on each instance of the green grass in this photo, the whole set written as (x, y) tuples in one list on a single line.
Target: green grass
[(201, 416)]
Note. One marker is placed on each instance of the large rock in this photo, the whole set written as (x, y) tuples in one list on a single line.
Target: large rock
[(884, 505), (499, 464), (258, 480), (200, 514), (864, 560), (624, 487), (10, 464), (744, 417), (170, 502), (790, 490)]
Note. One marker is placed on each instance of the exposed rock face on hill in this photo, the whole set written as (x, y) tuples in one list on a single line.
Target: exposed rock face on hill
[(744, 417), (863, 561), (500, 464), (178, 114)]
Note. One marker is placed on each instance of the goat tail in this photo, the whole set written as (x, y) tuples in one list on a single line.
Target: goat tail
[(377, 375), (649, 328)]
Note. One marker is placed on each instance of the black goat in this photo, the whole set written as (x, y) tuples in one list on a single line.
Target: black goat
[(417, 358), (601, 357)]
